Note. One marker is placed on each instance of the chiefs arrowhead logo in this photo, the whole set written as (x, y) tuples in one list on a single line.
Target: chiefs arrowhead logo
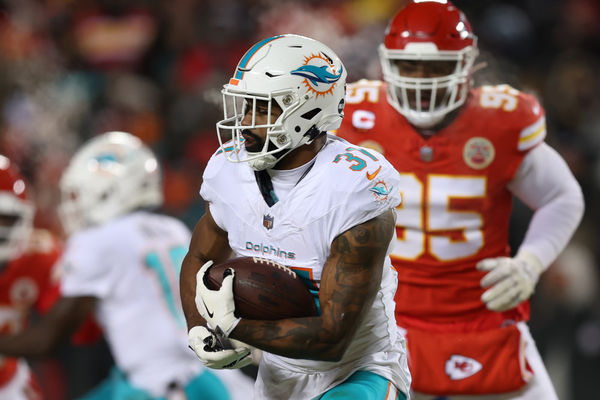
[(461, 367)]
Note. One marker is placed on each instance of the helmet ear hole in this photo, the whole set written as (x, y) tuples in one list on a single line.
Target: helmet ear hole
[(312, 133), (108, 193)]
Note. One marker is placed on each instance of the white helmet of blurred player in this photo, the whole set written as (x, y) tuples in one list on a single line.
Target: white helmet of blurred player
[(436, 33), (16, 212), (305, 78), (110, 175)]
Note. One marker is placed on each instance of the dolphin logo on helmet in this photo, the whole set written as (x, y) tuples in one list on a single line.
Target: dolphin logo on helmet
[(317, 74)]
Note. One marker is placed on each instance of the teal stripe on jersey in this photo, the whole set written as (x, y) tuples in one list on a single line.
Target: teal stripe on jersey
[(363, 385), (206, 385)]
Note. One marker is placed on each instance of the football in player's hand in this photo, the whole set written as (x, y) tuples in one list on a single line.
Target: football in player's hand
[(264, 289)]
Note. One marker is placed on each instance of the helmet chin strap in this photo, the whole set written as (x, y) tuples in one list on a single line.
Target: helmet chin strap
[(268, 161), (265, 161)]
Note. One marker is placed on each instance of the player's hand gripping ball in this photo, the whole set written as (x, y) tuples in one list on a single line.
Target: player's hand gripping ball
[(264, 289)]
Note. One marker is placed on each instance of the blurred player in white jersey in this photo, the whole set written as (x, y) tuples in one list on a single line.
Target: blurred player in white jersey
[(326, 205), (26, 260), (122, 262), (462, 154)]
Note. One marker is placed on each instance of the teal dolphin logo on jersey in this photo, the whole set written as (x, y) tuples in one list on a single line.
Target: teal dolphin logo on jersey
[(380, 190)]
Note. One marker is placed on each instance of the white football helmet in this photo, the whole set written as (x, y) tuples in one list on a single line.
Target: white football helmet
[(431, 31), (110, 175), (16, 212), (303, 76)]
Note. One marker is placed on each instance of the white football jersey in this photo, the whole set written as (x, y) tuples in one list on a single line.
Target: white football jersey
[(132, 266), (346, 186)]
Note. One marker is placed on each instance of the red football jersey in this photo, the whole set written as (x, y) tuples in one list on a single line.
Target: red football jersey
[(26, 283), (455, 203)]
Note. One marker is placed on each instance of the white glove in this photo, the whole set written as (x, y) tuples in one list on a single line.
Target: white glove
[(512, 279), (211, 352), (217, 306)]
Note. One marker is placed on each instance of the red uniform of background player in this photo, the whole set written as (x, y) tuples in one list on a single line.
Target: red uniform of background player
[(463, 153), (26, 261)]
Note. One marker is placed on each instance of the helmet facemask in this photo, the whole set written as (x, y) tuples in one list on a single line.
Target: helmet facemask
[(16, 212), (16, 224), (276, 107), (425, 101)]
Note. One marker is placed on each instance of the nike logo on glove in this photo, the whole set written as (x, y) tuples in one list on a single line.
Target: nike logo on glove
[(207, 310), (233, 364)]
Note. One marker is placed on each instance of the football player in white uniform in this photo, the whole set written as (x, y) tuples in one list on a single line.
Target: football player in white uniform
[(122, 262), (284, 189)]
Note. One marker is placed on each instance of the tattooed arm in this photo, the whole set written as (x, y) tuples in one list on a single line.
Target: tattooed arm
[(350, 280)]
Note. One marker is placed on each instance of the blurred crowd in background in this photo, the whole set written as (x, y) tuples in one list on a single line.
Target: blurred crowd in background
[(72, 69)]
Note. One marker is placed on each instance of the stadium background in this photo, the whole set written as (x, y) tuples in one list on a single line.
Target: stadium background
[(72, 69)]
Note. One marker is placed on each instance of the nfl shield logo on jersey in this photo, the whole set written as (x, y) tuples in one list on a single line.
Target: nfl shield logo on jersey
[(268, 221), (426, 153)]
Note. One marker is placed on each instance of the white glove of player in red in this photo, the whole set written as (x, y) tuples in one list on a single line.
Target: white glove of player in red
[(512, 280), (210, 350), (216, 306)]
